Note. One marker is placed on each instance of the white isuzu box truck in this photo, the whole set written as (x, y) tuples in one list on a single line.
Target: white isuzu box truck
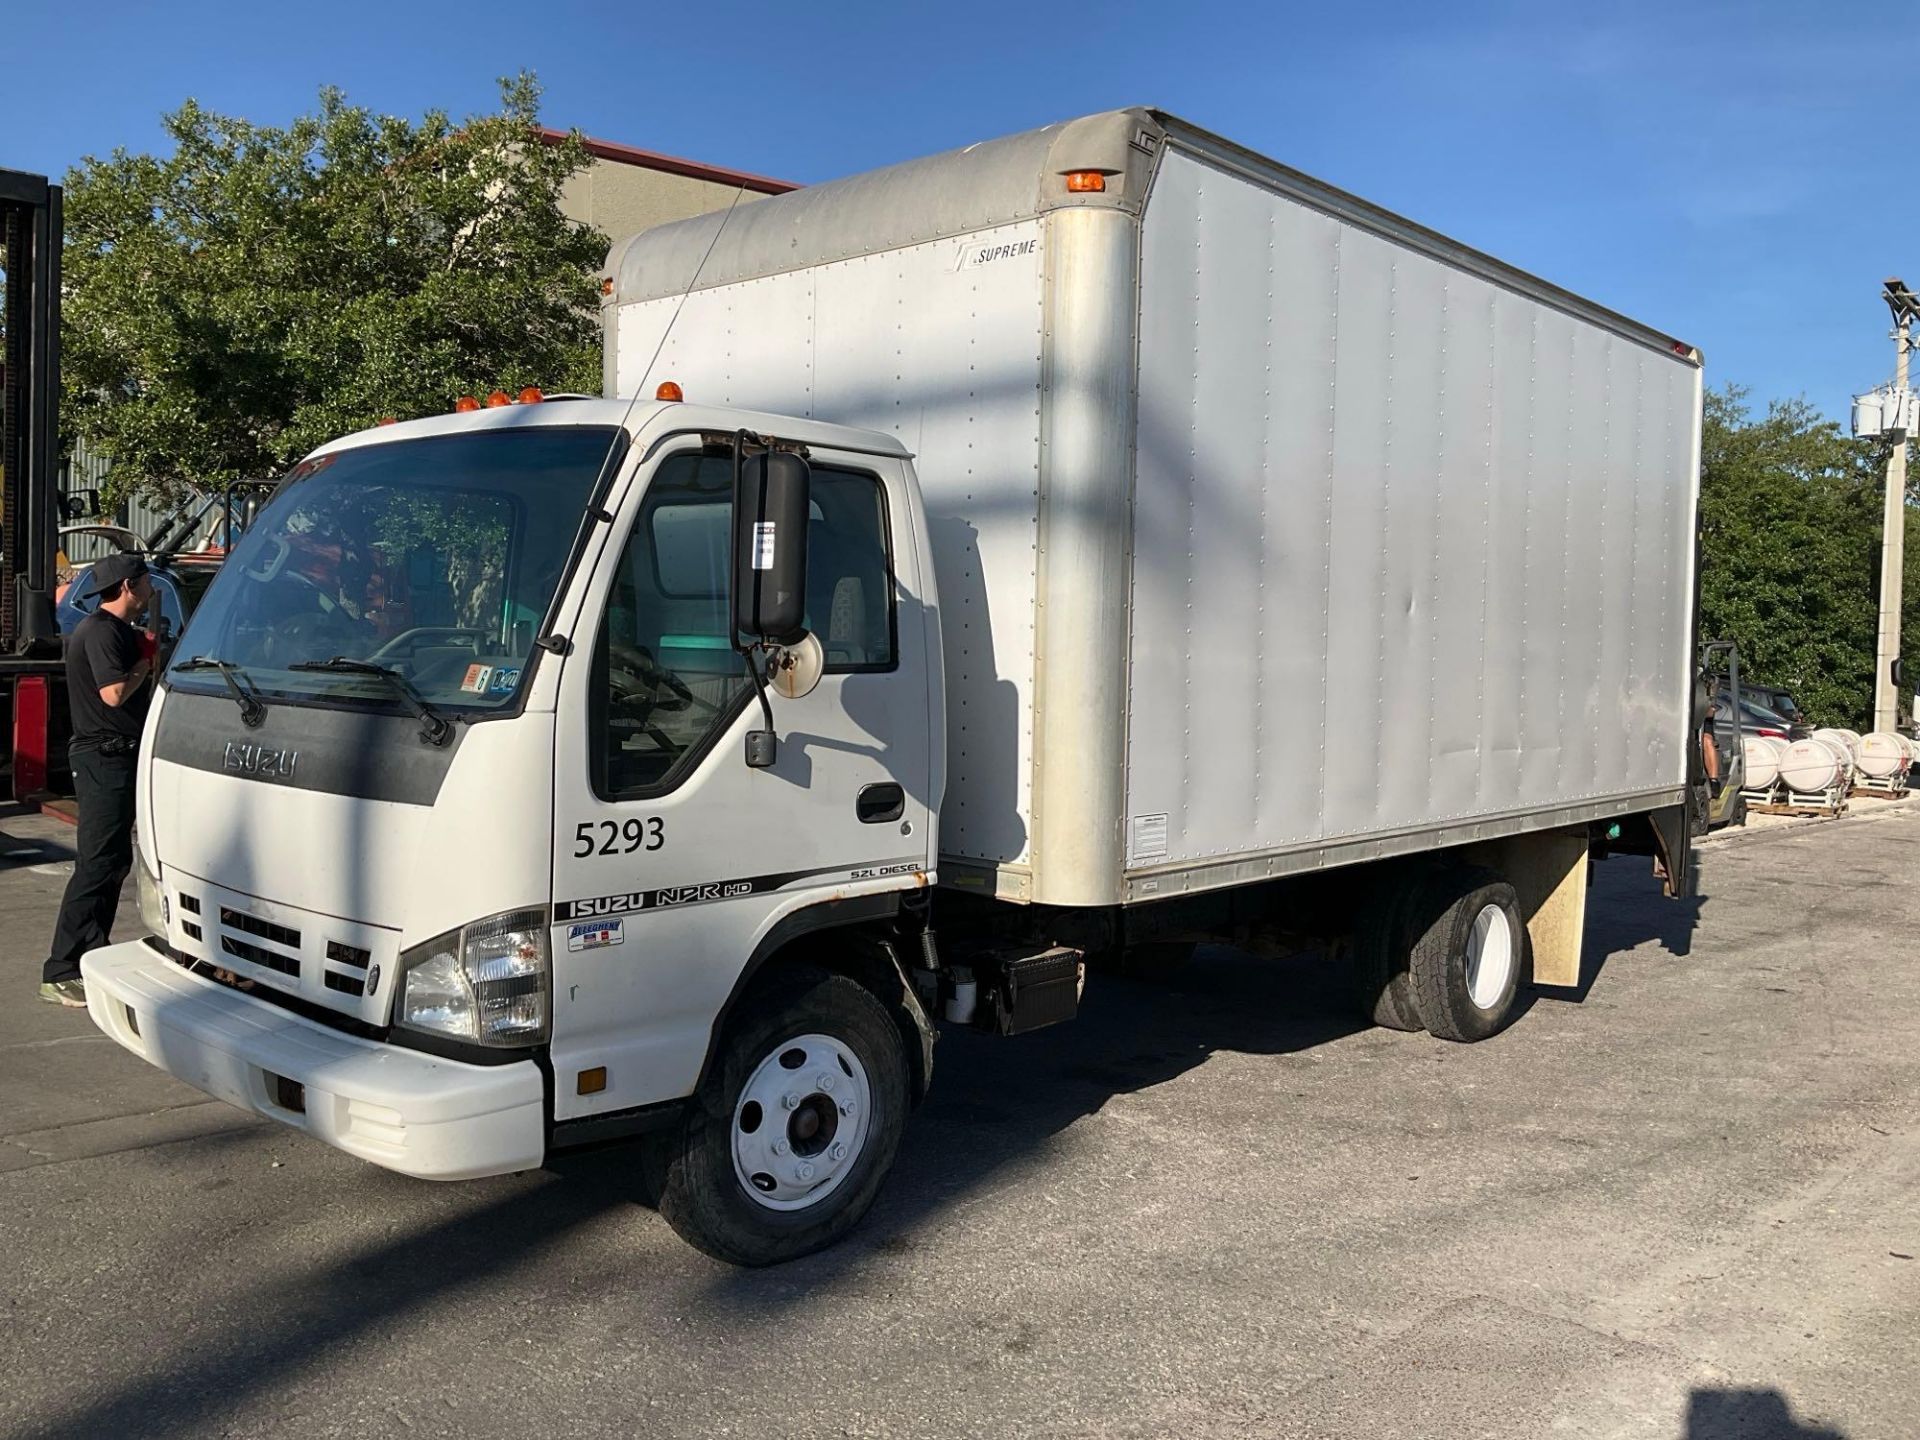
[(1098, 540)]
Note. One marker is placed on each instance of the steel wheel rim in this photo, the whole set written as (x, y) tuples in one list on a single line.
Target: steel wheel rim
[(1489, 956), (801, 1122)]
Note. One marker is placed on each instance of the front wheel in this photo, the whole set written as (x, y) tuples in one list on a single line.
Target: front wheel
[(794, 1130)]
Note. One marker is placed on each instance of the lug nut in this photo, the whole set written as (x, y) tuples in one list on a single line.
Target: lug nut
[(790, 1100), (846, 1107), (805, 1172), (839, 1152), (823, 1081), (780, 1147)]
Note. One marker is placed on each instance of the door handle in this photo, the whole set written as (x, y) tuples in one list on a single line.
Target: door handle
[(878, 804)]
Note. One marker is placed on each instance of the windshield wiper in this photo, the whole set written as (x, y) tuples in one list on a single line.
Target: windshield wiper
[(435, 728), (252, 712)]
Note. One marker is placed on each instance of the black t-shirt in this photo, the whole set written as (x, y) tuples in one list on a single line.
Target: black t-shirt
[(101, 650)]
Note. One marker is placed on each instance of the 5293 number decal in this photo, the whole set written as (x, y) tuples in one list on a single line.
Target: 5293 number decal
[(606, 837)]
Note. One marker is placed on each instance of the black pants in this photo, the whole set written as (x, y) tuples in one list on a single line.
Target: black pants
[(103, 853)]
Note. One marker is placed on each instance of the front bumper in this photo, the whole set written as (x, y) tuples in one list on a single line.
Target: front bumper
[(412, 1112)]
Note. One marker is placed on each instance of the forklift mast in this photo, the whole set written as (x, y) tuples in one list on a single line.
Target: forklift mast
[(29, 439), (32, 686)]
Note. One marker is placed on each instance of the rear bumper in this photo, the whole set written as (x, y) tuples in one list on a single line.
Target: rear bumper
[(415, 1113)]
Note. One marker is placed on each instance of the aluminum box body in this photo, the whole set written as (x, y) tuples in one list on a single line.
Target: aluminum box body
[(1272, 532)]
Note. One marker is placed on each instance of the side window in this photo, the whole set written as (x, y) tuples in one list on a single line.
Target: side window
[(849, 574), (666, 678)]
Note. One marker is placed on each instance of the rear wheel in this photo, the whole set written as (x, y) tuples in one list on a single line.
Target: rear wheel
[(1469, 960), (794, 1130), (1381, 942)]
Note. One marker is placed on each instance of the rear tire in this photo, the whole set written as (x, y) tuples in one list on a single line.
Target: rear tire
[(794, 1130), (1470, 959), (1381, 949)]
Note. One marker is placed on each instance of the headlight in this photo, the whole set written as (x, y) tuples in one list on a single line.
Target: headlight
[(486, 983), (153, 900)]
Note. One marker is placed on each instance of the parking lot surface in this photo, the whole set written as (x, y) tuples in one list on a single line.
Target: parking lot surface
[(1680, 1204)]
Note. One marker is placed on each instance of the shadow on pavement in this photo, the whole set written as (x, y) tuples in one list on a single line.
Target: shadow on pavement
[(314, 1318), (998, 1103), (1748, 1415), (1626, 909)]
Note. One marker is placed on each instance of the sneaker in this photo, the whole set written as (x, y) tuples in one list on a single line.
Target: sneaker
[(70, 993)]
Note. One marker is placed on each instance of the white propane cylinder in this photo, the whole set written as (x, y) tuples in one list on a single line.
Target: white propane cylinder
[(1882, 755), (1848, 740), (1811, 766), (1763, 756)]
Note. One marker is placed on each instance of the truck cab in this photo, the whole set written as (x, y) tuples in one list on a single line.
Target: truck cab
[(451, 851)]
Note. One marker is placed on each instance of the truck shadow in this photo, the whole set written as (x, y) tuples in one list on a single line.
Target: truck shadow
[(1751, 1414), (1625, 910), (212, 1370), (998, 1104)]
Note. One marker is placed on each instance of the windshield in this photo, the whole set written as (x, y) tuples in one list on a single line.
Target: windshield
[(437, 558)]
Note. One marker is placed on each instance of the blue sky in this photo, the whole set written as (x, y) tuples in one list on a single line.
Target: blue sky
[(1736, 174)]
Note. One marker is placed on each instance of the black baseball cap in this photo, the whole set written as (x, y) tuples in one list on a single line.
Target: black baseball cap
[(112, 570)]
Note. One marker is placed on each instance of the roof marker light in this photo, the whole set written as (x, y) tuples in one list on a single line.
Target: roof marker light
[(464, 404), (669, 391), (531, 395), (498, 398)]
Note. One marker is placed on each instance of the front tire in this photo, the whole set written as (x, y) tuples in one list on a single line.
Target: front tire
[(1470, 960), (796, 1126)]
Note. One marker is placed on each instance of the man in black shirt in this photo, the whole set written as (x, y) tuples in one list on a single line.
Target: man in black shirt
[(109, 663)]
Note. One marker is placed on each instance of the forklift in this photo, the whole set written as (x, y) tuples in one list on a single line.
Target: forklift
[(32, 672)]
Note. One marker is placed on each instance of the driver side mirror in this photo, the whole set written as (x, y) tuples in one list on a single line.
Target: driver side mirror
[(770, 503)]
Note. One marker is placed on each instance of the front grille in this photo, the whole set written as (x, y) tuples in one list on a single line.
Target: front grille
[(191, 930), (189, 903), (259, 955), (254, 925), (348, 955), (345, 983)]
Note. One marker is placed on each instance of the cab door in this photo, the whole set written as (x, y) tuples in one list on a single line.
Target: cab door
[(672, 858)]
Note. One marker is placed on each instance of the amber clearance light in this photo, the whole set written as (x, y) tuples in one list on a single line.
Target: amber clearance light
[(669, 390), (1082, 182)]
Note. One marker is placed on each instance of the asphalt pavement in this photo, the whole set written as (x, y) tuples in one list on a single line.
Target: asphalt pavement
[(1679, 1205)]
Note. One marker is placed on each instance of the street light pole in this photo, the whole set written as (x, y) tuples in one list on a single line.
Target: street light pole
[(1893, 520)]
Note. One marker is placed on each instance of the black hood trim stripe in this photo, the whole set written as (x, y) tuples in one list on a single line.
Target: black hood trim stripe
[(363, 754)]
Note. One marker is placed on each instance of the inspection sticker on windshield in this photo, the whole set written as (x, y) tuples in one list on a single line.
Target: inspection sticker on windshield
[(596, 934), (503, 680), (478, 678), (763, 544)]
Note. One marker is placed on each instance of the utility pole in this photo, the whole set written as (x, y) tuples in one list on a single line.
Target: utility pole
[(1893, 534)]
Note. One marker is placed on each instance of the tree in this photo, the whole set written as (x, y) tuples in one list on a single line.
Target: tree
[(264, 289), (1790, 549)]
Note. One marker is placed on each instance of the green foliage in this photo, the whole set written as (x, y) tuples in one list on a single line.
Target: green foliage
[(1790, 543), (264, 289)]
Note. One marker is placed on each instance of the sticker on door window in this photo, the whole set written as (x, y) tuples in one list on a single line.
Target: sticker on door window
[(763, 533)]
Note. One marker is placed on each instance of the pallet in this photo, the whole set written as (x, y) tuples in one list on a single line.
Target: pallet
[(1889, 789), (1830, 803)]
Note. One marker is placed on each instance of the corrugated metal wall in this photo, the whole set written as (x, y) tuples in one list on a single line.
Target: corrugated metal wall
[(84, 470)]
